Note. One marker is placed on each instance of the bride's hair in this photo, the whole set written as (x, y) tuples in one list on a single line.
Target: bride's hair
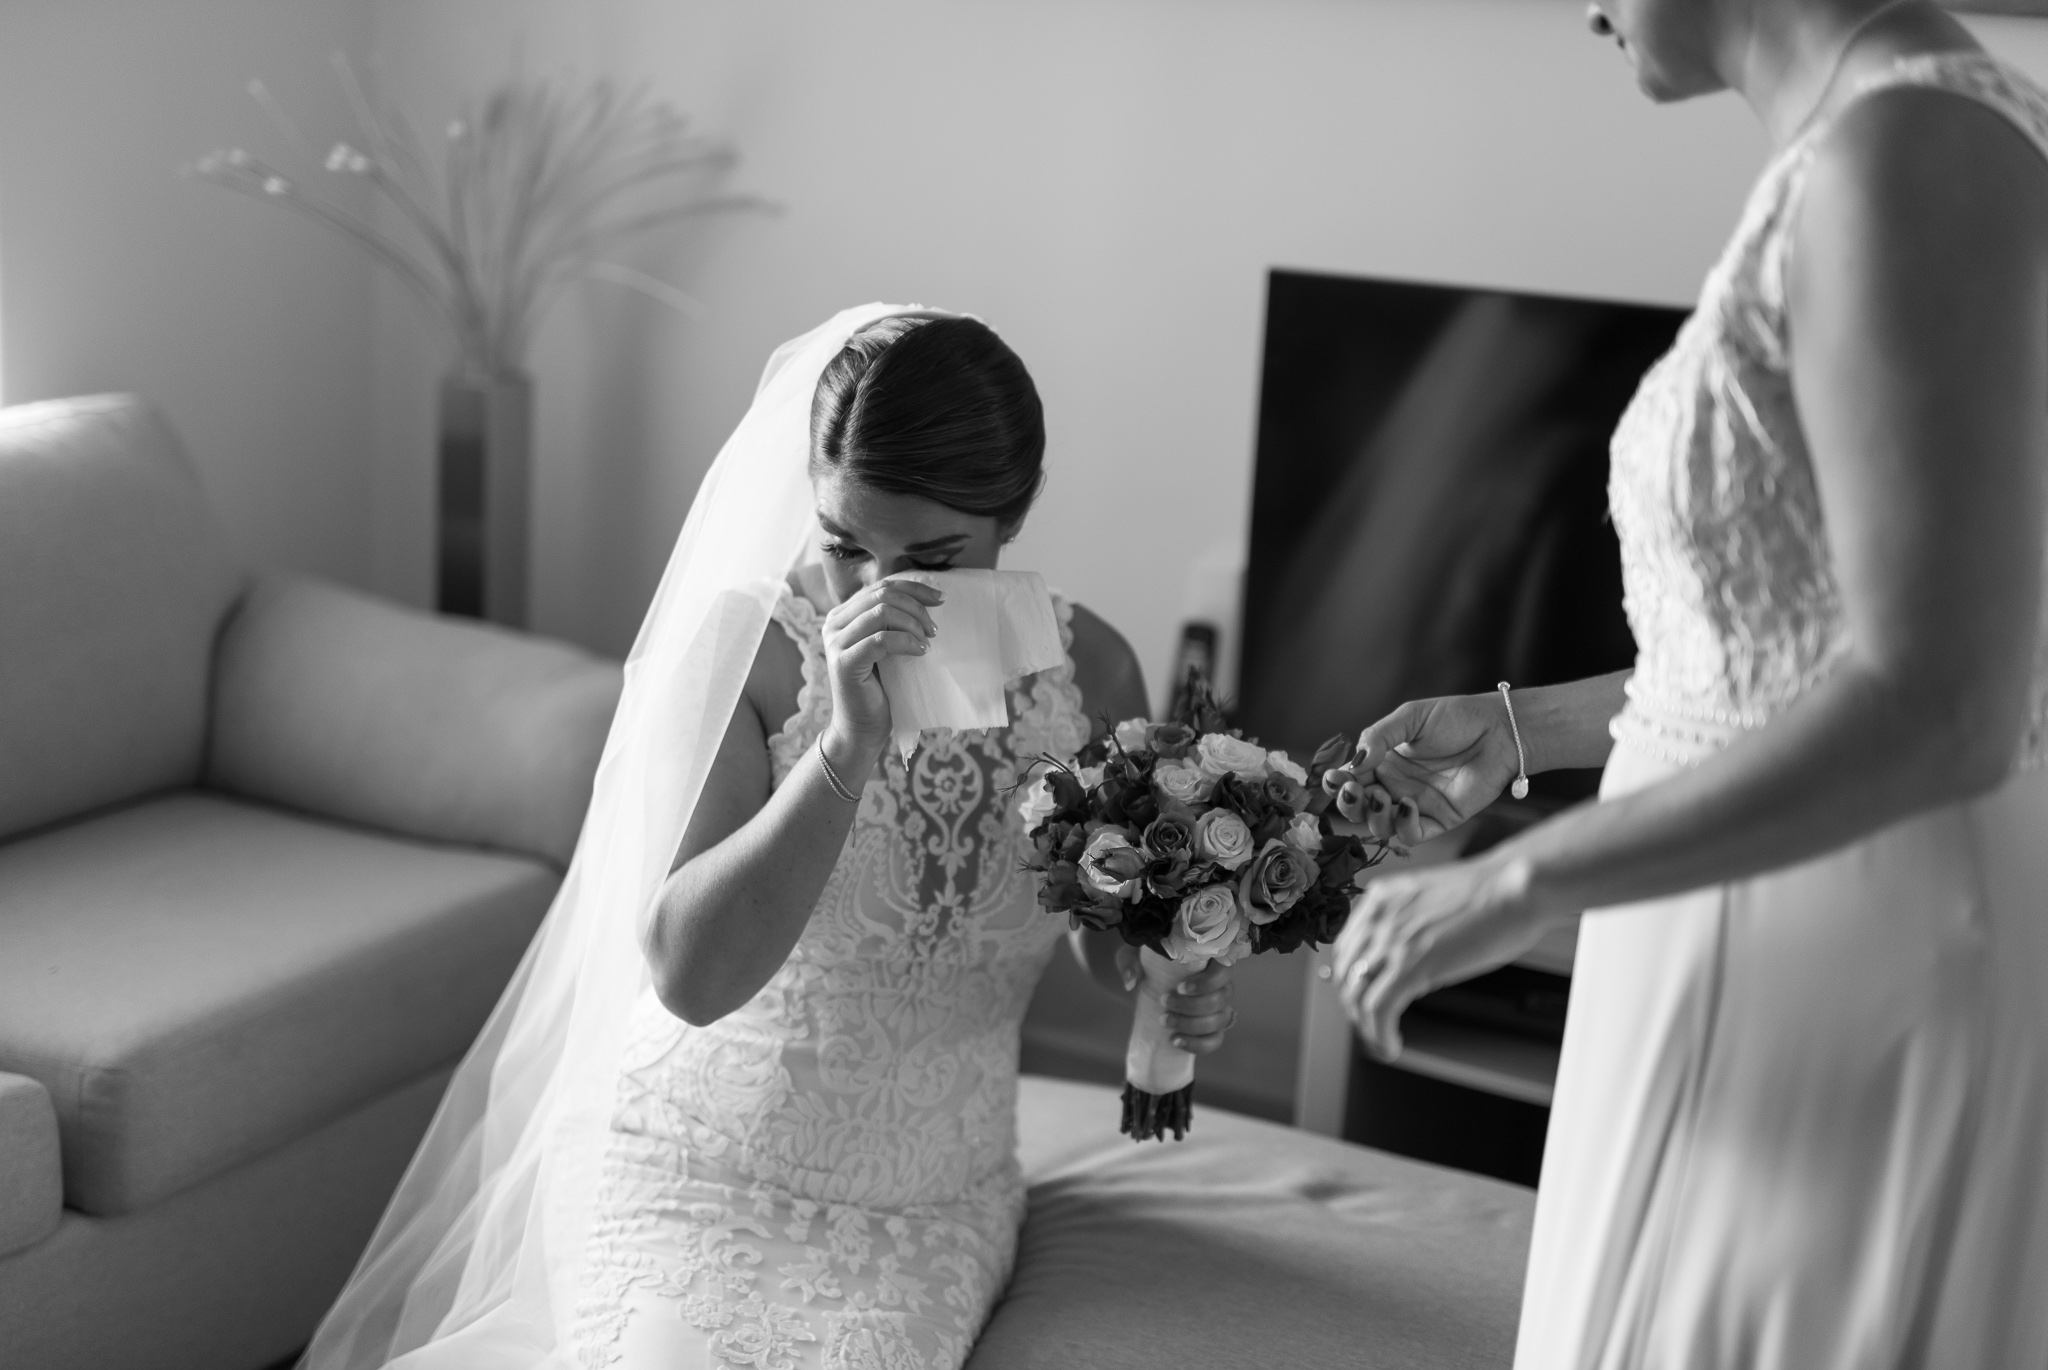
[(938, 408)]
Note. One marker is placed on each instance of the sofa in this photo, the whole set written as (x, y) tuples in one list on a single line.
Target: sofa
[(269, 851)]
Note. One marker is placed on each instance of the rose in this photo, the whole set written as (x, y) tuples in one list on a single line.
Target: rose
[(1331, 753), (1183, 784), (1221, 836), (1277, 761), (1056, 842), (1167, 835), (1111, 864), (1039, 804), (1130, 734), (1248, 800), (1062, 890), (1147, 923), (1171, 741), (1274, 880), (1089, 776), (1209, 926), (1285, 792), (1168, 876), (1341, 859), (1221, 754), (1304, 834)]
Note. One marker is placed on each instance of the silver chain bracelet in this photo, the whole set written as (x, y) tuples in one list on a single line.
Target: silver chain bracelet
[(1520, 789), (839, 786)]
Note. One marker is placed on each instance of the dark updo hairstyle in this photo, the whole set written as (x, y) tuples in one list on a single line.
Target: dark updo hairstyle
[(937, 408)]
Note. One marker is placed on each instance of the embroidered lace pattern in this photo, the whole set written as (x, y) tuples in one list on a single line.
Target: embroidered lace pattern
[(1725, 564), (826, 1177)]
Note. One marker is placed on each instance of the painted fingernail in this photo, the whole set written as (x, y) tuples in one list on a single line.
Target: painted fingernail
[(1181, 1042)]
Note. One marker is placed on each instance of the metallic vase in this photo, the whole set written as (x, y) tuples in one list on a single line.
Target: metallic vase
[(486, 481)]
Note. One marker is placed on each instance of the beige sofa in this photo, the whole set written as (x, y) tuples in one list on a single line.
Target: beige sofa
[(269, 850)]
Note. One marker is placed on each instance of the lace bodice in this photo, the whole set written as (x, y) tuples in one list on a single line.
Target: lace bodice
[(845, 1141), (1725, 563)]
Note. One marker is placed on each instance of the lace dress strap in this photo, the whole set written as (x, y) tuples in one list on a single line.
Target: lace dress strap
[(1976, 76), (805, 625), (1048, 714)]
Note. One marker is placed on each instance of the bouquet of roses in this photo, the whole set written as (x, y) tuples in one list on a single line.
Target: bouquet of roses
[(1193, 844)]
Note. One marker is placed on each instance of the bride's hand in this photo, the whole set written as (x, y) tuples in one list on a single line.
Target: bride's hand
[(1411, 933), (1433, 763), (888, 618), (1199, 1010)]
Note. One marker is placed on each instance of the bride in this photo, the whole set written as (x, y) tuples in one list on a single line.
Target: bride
[(1801, 1120), (750, 1098)]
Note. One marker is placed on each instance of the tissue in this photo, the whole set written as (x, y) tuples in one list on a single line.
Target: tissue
[(994, 627)]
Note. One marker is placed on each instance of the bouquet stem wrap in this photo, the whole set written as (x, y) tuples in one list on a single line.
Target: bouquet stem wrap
[(1159, 1078)]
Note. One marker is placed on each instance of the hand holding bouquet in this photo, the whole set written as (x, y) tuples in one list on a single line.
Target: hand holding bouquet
[(1194, 845)]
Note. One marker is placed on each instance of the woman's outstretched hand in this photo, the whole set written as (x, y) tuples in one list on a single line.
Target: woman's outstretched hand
[(1412, 933), (1434, 763), (888, 618)]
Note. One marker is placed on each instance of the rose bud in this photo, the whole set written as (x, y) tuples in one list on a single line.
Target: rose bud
[(1171, 741)]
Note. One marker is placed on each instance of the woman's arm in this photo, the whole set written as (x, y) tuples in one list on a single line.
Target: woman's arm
[(1920, 366), (1112, 686), (1435, 763), (751, 865)]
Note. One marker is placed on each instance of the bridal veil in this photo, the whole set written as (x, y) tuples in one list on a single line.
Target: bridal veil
[(476, 1261)]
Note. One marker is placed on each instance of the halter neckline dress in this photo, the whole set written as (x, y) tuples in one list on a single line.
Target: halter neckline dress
[(826, 1178)]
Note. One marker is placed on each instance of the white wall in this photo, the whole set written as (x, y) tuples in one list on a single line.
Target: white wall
[(1107, 181), (250, 328)]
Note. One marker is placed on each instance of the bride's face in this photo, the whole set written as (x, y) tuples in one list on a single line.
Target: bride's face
[(870, 534)]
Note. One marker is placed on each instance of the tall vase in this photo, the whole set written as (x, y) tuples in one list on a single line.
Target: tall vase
[(486, 479)]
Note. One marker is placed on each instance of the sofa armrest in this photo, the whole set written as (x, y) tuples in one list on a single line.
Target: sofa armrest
[(358, 709), (31, 1170)]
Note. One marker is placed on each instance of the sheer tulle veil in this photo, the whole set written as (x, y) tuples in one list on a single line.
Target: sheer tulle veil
[(477, 1260)]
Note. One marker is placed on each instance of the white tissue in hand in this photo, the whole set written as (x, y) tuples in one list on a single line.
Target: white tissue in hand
[(994, 627)]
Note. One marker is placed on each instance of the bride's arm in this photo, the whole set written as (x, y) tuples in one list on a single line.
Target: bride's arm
[(752, 864), (1920, 344)]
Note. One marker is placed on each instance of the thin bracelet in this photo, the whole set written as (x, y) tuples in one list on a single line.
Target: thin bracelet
[(1520, 789), (838, 785)]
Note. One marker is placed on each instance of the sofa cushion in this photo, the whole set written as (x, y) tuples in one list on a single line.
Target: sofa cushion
[(115, 579), (31, 1178), (1248, 1244), (336, 703), (197, 980)]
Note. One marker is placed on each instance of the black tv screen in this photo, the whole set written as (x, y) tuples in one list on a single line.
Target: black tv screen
[(1429, 509)]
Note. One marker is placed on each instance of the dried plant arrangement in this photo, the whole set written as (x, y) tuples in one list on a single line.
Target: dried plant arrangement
[(537, 186)]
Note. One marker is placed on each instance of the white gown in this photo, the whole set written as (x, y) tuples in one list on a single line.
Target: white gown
[(1801, 1122), (827, 1176)]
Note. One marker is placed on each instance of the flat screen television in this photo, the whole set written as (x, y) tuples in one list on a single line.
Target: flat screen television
[(1429, 508)]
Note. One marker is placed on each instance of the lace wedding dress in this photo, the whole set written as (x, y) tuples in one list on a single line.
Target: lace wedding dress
[(826, 1177), (1801, 1121)]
